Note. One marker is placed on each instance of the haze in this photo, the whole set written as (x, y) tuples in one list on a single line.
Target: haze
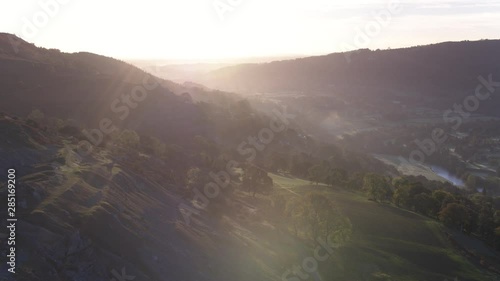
[(194, 30)]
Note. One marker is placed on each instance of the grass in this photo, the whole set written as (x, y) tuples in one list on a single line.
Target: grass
[(389, 243), (288, 181)]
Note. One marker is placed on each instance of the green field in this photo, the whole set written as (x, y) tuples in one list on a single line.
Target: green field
[(388, 243)]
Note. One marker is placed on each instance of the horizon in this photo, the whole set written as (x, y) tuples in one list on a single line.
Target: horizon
[(220, 31), (246, 60)]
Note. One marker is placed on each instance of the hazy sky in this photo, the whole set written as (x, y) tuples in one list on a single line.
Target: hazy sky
[(195, 29)]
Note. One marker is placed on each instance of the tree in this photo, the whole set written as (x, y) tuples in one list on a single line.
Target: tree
[(36, 115), (496, 240), (278, 162), (355, 181), (416, 189), (400, 182), (316, 174), (241, 109), (336, 176), (443, 197), (471, 182), (317, 216), (194, 178), (300, 165), (204, 159), (128, 138), (454, 214), (220, 162), (257, 180), (377, 187), (426, 204), (496, 217), (153, 145), (205, 145), (486, 222), (401, 197)]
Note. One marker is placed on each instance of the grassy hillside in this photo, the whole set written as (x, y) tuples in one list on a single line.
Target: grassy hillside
[(388, 243), (117, 208)]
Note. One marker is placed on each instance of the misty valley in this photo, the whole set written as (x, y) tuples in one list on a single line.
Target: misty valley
[(148, 162)]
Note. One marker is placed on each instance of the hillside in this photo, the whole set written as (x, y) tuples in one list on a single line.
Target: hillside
[(434, 75), (88, 88), (100, 216), (88, 218), (188, 183), (389, 243)]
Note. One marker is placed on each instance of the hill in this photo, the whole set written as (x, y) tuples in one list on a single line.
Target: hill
[(389, 243), (435, 75), (186, 183), (116, 212), (89, 88)]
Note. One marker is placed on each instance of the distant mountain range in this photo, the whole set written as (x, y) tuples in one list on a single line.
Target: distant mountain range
[(183, 71), (89, 87), (435, 75)]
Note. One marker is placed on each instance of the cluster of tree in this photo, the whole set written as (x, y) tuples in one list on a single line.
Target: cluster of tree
[(256, 180), (477, 142), (470, 212), (335, 172), (315, 216), (473, 213), (190, 166), (326, 174), (377, 187)]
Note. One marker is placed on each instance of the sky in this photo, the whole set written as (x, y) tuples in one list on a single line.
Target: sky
[(224, 29)]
